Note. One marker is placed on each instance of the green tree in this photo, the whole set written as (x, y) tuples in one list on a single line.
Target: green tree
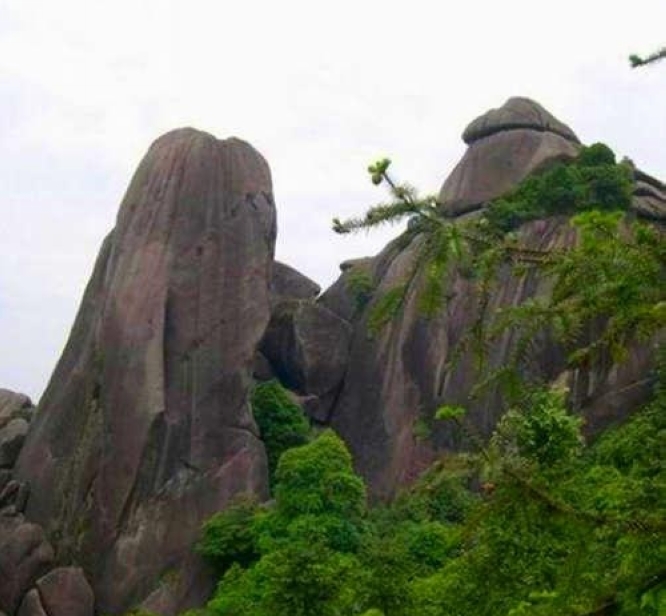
[(308, 540), (281, 421), (228, 536)]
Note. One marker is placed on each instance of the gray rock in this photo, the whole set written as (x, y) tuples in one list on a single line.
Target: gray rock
[(341, 297), (262, 369), (14, 405), (66, 592), (11, 441), (649, 200), (288, 283), (14, 496), (517, 112), (400, 376), (308, 347), (495, 165), (145, 428), (25, 554), (32, 605)]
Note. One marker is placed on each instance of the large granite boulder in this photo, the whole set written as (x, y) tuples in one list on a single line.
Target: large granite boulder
[(649, 199), (63, 592), (14, 406), (25, 554), (12, 437), (145, 428), (396, 378), (31, 605), (288, 283), (308, 347), (505, 146)]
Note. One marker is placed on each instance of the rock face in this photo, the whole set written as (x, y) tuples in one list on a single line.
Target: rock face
[(288, 283), (11, 441), (62, 592), (649, 198), (505, 146), (25, 554), (145, 428), (31, 605), (14, 406), (308, 347), (397, 378), (66, 592)]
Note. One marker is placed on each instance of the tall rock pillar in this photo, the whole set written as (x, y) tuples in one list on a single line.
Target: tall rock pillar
[(145, 427)]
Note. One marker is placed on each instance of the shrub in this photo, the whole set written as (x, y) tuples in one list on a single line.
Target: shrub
[(228, 537), (541, 430), (281, 421), (360, 285), (593, 180)]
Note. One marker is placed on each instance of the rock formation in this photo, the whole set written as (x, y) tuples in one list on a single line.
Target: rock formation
[(307, 346), (145, 428), (505, 146), (396, 379), (61, 592)]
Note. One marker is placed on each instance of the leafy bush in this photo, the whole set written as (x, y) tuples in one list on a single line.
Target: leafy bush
[(319, 479), (593, 180), (281, 421), (228, 536), (360, 285), (541, 431), (307, 540)]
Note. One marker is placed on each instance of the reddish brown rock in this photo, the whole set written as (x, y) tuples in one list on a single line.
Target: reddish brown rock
[(11, 441), (518, 112), (145, 428), (32, 605), (288, 283), (308, 347), (396, 379), (65, 592), (506, 145), (14, 406), (649, 200), (24, 556)]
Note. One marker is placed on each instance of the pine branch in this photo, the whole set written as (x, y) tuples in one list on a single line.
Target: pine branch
[(637, 61)]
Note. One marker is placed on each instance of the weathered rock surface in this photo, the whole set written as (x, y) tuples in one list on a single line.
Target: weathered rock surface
[(288, 283), (308, 346), (398, 377), (11, 441), (506, 145), (145, 428), (340, 297), (32, 605), (25, 554), (14, 406), (65, 592), (649, 198), (518, 112)]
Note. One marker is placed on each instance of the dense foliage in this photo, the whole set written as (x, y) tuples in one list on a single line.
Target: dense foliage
[(307, 540), (558, 528), (533, 522), (591, 181), (281, 421)]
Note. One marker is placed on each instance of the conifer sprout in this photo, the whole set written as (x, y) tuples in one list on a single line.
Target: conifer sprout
[(636, 60)]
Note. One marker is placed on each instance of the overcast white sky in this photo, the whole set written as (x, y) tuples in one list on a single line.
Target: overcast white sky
[(320, 88)]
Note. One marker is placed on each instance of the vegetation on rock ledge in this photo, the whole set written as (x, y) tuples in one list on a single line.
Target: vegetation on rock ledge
[(536, 521)]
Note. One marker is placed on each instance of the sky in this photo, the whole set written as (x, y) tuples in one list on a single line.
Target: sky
[(321, 89)]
